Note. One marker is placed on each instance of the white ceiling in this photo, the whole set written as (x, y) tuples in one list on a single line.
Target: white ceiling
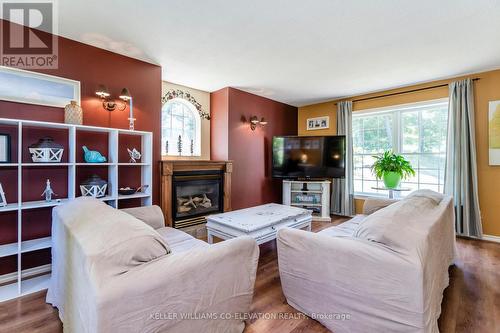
[(295, 51)]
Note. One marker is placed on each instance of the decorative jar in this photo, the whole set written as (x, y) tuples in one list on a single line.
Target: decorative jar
[(94, 186), (73, 114), (46, 151)]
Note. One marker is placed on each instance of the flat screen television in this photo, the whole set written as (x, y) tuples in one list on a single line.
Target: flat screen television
[(302, 157)]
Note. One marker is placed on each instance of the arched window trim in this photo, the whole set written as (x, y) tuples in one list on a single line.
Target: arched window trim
[(177, 93), (197, 130)]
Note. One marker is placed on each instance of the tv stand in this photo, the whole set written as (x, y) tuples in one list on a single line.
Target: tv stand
[(313, 195)]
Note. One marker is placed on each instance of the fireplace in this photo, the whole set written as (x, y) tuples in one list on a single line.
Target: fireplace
[(196, 194), (191, 190)]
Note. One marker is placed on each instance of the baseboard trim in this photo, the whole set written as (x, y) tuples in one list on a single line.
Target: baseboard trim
[(491, 238), (25, 274)]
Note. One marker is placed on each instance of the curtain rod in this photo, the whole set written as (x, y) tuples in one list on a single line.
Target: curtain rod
[(405, 92)]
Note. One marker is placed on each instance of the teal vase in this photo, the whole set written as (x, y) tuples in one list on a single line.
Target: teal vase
[(391, 179)]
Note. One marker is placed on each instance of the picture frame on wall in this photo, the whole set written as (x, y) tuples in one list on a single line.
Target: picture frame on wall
[(318, 123), (21, 86), (494, 132), (5, 151)]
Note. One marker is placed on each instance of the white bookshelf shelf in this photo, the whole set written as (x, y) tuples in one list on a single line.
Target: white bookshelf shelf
[(107, 198), (94, 164), (18, 285), (134, 164), (43, 203), (44, 165), (8, 250), (132, 196), (36, 244), (24, 287), (9, 207), (26, 246)]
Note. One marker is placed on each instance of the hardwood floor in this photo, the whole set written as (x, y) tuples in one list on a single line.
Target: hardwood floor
[(471, 303)]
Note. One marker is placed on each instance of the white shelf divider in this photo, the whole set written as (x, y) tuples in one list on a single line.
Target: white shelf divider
[(20, 286)]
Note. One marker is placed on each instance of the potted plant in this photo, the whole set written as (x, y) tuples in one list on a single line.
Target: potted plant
[(392, 168)]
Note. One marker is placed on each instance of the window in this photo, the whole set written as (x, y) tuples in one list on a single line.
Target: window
[(417, 131), (180, 118)]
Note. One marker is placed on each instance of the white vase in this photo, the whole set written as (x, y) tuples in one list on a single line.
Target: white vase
[(73, 114)]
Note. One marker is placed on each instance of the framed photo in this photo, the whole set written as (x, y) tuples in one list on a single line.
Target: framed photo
[(494, 132), (3, 202), (22, 86), (4, 148), (318, 123)]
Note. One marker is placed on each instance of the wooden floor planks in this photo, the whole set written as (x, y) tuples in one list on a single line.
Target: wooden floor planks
[(471, 303)]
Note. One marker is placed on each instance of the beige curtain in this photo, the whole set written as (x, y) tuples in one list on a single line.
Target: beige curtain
[(461, 168), (342, 200)]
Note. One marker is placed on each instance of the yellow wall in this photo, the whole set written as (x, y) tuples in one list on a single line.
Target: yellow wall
[(313, 111), (485, 90), (203, 98)]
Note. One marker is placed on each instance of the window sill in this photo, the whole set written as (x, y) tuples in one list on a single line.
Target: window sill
[(177, 157), (372, 196)]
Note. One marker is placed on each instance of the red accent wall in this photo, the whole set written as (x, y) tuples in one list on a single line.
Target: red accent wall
[(219, 101), (91, 66), (249, 150)]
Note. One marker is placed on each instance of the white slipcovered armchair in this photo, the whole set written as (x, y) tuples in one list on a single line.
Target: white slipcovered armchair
[(112, 272)]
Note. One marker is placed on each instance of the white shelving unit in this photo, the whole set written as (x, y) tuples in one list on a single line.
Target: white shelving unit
[(34, 279), (317, 194)]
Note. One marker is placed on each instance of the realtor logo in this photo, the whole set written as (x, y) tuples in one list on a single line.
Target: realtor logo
[(28, 34)]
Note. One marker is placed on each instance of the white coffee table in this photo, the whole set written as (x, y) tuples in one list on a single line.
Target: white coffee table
[(260, 222)]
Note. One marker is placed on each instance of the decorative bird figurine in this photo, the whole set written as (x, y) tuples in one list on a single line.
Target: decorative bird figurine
[(134, 155), (93, 156)]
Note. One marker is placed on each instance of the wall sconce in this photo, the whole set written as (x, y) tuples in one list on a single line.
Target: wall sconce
[(111, 104), (254, 121)]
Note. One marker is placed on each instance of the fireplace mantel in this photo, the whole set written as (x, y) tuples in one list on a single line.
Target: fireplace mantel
[(169, 167)]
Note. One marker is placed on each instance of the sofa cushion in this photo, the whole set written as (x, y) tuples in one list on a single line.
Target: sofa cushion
[(151, 215), (402, 225), (371, 205), (429, 194), (111, 240), (346, 229), (179, 241)]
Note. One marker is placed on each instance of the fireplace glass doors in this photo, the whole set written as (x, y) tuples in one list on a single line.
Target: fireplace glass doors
[(195, 195)]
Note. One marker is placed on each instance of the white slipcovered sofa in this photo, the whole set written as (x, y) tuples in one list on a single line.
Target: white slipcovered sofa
[(113, 272), (383, 272)]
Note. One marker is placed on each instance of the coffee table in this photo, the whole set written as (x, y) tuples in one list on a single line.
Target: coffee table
[(260, 222)]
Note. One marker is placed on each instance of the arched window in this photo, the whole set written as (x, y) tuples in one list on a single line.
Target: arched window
[(180, 118)]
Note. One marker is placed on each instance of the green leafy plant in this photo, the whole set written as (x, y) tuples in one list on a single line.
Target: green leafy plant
[(392, 162)]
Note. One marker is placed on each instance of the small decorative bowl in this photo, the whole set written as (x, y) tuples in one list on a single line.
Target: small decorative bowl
[(127, 190)]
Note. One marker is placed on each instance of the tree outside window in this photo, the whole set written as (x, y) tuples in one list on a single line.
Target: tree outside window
[(416, 131), (180, 118)]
